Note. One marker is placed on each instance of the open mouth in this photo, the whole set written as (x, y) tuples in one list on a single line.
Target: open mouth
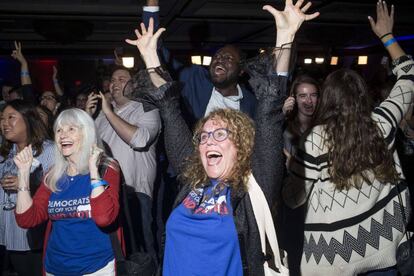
[(219, 70), (66, 145), (308, 108), (116, 89), (213, 158)]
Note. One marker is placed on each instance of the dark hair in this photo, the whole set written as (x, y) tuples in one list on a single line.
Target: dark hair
[(56, 95), (119, 67), (50, 120), (36, 132), (355, 144), (18, 91), (6, 83), (61, 100), (242, 55)]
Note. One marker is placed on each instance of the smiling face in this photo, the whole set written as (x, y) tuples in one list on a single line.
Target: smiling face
[(225, 67), (306, 98), (68, 139), (119, 79), (218, 158), (13, 126)]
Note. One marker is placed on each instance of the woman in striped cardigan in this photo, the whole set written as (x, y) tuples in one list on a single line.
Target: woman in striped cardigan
[(348, 174)]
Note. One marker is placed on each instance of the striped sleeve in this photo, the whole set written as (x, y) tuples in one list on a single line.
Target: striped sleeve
[(390, 112), (309, 165), (47, 156)]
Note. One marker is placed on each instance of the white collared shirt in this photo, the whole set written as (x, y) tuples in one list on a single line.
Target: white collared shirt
[(217, 100)]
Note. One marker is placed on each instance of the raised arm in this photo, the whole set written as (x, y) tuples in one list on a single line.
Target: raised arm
[(55, 79), (24, 68), (270, 89), (176, 133), (146, 43), (392, 110), (151, 10), (138, 135), (23, 162), (288, 23), (383, 29)]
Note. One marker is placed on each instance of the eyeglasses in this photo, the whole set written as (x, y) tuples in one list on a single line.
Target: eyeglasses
[(219, 135), (47, 98)]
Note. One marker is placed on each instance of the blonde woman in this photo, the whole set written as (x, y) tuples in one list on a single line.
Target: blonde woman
[(78, 198)]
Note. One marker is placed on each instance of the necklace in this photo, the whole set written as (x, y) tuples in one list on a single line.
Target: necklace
[(71, 172)]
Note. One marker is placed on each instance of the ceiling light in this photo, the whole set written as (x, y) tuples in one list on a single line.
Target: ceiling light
[(319, 60), (196, 60), (307, 61), (334, 60), (206, 60), (362, 60), (128, 62)]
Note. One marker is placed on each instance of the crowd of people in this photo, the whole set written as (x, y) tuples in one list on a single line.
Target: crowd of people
[(324, 153)]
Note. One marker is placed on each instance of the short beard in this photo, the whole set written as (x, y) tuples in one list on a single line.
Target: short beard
[(227, 82)]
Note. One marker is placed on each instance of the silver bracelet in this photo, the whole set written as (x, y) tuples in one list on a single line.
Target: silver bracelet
[(22, 189)]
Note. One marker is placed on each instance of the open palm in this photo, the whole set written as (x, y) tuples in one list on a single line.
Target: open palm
[(146, 41), (291, 18), (385, 19)]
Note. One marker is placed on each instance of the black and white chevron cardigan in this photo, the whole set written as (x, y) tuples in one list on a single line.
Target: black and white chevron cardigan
[(357, 230)]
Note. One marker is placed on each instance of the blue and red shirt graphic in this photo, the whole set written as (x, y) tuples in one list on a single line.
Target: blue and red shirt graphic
[(207, 200), (70, 208), (76, 245)]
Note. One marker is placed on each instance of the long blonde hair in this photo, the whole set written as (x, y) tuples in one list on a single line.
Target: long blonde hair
[(241, 134), (81, 119)]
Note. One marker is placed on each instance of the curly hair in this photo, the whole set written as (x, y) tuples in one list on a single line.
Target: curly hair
[(241, 134), (357, 150)]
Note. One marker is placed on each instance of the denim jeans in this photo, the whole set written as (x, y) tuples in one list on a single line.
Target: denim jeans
[(389, 271)]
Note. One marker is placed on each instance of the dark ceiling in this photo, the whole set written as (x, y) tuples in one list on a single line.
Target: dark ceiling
[(96, 27)]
